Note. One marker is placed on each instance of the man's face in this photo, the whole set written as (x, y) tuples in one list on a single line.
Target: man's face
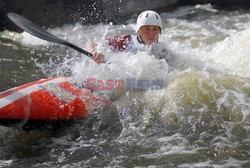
[(149, 34)]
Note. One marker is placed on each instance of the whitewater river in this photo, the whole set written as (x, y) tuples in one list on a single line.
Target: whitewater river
[(199, 118)]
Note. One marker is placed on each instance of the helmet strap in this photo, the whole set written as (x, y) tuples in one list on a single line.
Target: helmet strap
[(139, 39)]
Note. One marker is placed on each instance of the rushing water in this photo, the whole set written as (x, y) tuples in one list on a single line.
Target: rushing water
[(200, 118)]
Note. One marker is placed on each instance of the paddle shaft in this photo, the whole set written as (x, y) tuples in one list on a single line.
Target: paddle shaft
[(79, 49), (38, 32)]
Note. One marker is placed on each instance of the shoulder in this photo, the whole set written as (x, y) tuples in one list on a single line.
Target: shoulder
[(119, 43)]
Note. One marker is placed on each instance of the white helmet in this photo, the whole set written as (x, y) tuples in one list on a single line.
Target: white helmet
[(148, 18)]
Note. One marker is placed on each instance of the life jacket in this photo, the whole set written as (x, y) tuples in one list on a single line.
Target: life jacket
[(119, 43), (125, 43)]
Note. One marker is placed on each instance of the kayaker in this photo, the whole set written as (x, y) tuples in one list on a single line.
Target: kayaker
[(148, 29)]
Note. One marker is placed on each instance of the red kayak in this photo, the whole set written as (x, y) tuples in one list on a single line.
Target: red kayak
[(52, 99)]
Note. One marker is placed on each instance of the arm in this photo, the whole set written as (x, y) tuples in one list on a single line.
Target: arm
[(116, 44), (97, 57), (161, 51), (175, 60)]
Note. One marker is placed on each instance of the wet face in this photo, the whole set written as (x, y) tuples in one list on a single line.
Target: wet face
[(149, 34)]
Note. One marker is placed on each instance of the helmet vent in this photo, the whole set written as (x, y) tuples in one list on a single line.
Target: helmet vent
[(148, 18), (156, 16)]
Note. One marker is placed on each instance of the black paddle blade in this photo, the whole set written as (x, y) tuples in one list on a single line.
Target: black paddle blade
[(37, 31), (33, 29)]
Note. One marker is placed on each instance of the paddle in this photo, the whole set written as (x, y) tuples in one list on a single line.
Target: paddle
[(37, 31)]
